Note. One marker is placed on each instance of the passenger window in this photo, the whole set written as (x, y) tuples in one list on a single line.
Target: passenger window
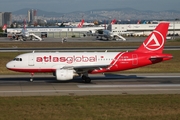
[(20, 59)]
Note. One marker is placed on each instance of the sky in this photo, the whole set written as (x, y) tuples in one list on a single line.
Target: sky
[(66, 6)]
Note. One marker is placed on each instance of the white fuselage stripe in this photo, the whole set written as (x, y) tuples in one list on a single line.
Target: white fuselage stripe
[(116, 60)]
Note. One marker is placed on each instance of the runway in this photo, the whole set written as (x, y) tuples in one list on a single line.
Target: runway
[(108, 84)]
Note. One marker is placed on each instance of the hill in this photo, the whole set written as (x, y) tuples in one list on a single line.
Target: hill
[(102, 14)]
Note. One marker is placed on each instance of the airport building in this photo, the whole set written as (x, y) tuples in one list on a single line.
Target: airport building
[(143, 29), (56, 32), (122, 29)]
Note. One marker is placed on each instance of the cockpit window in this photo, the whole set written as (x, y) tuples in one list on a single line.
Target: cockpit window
[(17, 59)]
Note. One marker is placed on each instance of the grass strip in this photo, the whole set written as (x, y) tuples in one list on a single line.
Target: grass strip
[(39, 44), (114, 107)]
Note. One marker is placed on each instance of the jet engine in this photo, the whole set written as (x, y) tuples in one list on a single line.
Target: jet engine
[(64, 74)]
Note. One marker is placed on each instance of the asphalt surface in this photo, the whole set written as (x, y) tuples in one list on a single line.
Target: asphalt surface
[(81, 39), (108, 84)]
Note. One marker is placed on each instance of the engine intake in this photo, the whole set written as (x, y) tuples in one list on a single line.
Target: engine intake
[(63, 74)]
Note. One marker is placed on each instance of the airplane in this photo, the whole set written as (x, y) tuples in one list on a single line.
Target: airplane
[(80, 25), (24, 34), (65, 66), (103, 33)]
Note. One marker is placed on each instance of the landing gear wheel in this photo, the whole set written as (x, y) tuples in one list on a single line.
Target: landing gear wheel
[(87, 80), (31, 80), (32, 74), (84, 77)]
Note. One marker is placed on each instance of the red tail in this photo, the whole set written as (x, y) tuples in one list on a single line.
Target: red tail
[(113, 21), (138, 21), (80, 25), (154, 43), (4, 27)]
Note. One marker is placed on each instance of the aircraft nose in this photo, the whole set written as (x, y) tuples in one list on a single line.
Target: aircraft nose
[(9, 65)]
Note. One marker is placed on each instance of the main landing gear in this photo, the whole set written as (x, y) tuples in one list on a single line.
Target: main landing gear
[(86, 79)]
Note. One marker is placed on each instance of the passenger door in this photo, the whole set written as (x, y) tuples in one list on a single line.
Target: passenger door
[(31, 60)]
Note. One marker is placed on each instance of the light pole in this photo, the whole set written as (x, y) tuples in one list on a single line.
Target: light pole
[(174, 29)]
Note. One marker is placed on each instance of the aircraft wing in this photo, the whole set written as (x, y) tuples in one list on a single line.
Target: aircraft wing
[(85, 68)]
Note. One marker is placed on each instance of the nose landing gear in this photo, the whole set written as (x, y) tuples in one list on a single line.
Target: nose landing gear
[(31, 79)]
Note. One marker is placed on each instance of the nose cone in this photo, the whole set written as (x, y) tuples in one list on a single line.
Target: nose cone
[(9, 65)]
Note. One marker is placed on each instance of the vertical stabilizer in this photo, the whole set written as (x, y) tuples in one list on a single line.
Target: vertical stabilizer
[(4, 27), (80, 25), (113, 21), (154, 43)]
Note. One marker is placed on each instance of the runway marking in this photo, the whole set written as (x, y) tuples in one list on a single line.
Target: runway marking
[(124, 86), (160, 76)]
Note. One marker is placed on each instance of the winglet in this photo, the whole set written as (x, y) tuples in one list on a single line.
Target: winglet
[(154, 43)]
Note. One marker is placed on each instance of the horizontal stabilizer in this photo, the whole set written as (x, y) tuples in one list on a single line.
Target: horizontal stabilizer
[(155, 59)]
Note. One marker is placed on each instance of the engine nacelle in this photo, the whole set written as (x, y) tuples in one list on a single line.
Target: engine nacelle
[(63, 74)]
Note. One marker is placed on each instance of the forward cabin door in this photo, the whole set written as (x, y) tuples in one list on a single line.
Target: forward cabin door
[(134, 59), (31, 60)]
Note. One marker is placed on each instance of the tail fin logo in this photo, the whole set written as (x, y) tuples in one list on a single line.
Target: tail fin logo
[(4, 27), (81, 23), (155, 42)]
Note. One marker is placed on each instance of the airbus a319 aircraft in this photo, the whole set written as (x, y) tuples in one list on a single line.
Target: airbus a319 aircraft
[(66, 66)]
